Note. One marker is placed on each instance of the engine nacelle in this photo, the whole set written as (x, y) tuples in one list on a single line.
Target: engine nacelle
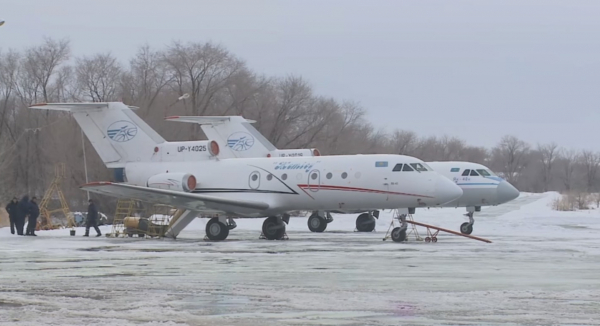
[(173, 181)]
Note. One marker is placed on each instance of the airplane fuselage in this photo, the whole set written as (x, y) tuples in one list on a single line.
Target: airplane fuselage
[(316, 183)]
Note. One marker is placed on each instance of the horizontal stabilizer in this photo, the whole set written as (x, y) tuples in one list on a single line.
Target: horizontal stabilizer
[(183, 200), (208, 120), (76, 106)]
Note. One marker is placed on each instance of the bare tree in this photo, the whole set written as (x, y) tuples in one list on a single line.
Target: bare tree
[(40, 64), (568, 158), (294, 96), (148, 75), (203, 71), (510, 154), (548, 154), (452, 148), (590, 162), (403, 142), (98, 77)]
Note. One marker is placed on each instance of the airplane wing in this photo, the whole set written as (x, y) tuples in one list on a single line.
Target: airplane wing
[(207, 120), (194, 202), (74, 107)]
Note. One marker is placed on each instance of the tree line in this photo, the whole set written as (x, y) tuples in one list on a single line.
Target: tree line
[(287, 111)]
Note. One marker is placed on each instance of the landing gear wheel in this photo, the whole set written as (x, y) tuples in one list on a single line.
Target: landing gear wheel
[(427, 239), (365, 223), (273, 228), (316, 223), (398, 234), (466, 228), (434, 239), (216, 230)]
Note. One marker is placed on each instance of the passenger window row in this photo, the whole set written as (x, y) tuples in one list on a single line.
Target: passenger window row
[(313, 176)]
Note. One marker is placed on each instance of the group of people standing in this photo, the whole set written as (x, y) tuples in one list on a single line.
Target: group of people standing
[(19, 211)]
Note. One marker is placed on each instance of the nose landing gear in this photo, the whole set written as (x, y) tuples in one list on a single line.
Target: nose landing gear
[(467, 227)]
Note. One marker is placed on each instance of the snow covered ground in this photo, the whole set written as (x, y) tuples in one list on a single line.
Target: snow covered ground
[(542, 268)]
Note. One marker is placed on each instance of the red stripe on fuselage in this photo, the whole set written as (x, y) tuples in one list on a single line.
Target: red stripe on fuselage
[(341, 188)]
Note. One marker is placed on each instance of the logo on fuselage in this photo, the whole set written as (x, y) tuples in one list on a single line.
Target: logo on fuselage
[(240, 141), (294, 166), (122, 131)]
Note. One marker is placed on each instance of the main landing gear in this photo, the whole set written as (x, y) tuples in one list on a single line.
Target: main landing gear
[(467, 227), (318, 220), (274, 227), (217, 228), (365, 222)]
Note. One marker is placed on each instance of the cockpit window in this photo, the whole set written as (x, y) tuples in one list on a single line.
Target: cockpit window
[(491, 173), (466, 173), (483, 172), (474, 173), (398, 167), (407, 167), (418, 167)]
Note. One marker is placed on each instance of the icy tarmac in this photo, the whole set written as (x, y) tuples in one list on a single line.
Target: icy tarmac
[(541, 269)]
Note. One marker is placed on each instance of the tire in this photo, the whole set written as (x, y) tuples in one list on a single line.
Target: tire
[(216, 230), (365, 223), (316, 223), (398, 235), (273, 228), (466, 228)]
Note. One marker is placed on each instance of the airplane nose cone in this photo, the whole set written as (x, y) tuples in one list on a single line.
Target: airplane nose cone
[(446, 190), (506, 192)]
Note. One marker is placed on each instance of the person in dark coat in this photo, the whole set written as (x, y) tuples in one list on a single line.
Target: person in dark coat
[(13, 210), (92, 220), (34, 212), (22, 212)]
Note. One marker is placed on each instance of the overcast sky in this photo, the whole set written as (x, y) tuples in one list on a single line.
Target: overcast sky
[(473, 69)]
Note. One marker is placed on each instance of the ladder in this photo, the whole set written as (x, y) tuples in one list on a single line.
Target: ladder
[(125, 207), (46, 212)]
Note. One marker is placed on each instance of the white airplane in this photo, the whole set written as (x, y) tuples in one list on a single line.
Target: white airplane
[(174, 173), (481, 187)]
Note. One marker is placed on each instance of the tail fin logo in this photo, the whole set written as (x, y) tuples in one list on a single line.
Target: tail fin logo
[(122, 131), (240, 141)]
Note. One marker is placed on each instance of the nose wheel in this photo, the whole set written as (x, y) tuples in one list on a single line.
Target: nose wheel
[(467, 227)]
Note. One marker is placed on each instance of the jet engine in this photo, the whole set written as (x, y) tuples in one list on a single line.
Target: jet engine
[(173, 181)]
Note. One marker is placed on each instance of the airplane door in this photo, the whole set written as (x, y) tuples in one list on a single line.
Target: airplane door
[(314, 180)]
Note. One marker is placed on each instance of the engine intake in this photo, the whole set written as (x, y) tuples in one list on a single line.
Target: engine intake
[(185, 182)]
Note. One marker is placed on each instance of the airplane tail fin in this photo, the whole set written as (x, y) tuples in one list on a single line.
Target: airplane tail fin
[(233, 132), (116, 132), (241, 138)]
